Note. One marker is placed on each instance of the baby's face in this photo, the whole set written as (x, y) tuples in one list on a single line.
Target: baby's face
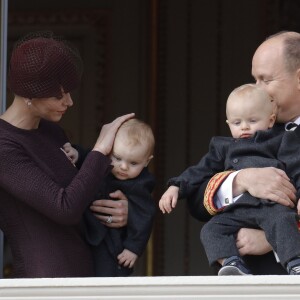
[(128, 160), (246, 118)]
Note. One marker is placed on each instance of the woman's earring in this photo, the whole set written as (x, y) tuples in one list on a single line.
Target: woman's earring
[(28, 103)]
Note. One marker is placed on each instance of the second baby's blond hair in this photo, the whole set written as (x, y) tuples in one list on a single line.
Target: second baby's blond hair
[(138, 133)]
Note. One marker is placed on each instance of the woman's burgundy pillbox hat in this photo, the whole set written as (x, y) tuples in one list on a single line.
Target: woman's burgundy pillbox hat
[(41, 66)]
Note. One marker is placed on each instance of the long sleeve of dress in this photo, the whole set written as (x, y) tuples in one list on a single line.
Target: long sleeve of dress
[(60, 195)]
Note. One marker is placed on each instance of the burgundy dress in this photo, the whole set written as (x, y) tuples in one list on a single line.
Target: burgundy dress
[(42, 198)]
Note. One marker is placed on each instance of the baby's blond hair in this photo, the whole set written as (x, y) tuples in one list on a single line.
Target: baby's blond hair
[(255, 91), (138, 133)]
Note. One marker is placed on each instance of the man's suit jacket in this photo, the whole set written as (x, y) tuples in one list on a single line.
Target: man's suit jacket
[(196, 178), (227, 153)]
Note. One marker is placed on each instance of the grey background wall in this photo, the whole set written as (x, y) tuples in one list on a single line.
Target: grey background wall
[(173, 62)]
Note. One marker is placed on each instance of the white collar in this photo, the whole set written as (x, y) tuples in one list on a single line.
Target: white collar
[(297, 121)]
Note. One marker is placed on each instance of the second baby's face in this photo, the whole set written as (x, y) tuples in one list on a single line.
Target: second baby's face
[(128, 160)]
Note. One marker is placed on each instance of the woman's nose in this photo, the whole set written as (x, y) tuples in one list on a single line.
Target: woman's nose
[(68, 99)]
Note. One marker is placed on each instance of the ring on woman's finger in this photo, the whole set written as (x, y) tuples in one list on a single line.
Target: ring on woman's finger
[(109, 219)]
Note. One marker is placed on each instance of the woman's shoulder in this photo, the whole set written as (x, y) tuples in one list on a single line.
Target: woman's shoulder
[(7, 131), (12, 136)]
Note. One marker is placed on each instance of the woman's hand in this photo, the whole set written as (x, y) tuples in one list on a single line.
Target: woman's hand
[(252, 242), (108, 132), (112, 213)]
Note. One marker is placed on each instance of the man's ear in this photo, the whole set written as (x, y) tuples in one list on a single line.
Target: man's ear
[(149, 159), (298, 78)]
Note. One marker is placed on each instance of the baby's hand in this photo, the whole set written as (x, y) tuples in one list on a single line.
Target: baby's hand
[(168, 200), (127, 258), (71, 152)]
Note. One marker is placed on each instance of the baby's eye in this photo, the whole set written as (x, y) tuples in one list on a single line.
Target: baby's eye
[(253, 121), (117, 158), (133, 163), (236, 123), (266, 81)]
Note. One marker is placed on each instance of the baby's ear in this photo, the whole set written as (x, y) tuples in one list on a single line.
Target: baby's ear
[(272, 120), (149, 159), (227, 122)]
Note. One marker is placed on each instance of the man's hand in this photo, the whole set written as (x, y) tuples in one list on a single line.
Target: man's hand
[(265, 183), (118, 210), (252, 242), (298, 207)]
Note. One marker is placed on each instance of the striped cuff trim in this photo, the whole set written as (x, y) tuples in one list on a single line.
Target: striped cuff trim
[(212, 187)]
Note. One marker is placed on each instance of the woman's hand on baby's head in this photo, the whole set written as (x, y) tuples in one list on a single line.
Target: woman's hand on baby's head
[(108, 132)]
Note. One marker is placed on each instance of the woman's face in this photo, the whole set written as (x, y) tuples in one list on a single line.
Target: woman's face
[(51, 109)]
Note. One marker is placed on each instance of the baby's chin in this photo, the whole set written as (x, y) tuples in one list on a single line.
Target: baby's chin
[(120, 177)]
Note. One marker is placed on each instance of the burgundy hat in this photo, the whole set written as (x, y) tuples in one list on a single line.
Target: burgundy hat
[(42, 65)]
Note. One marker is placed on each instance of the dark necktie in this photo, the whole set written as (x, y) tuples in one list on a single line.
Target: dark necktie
[(291, 126)]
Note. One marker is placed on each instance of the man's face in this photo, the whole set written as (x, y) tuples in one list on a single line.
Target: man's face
[(269, 71)]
